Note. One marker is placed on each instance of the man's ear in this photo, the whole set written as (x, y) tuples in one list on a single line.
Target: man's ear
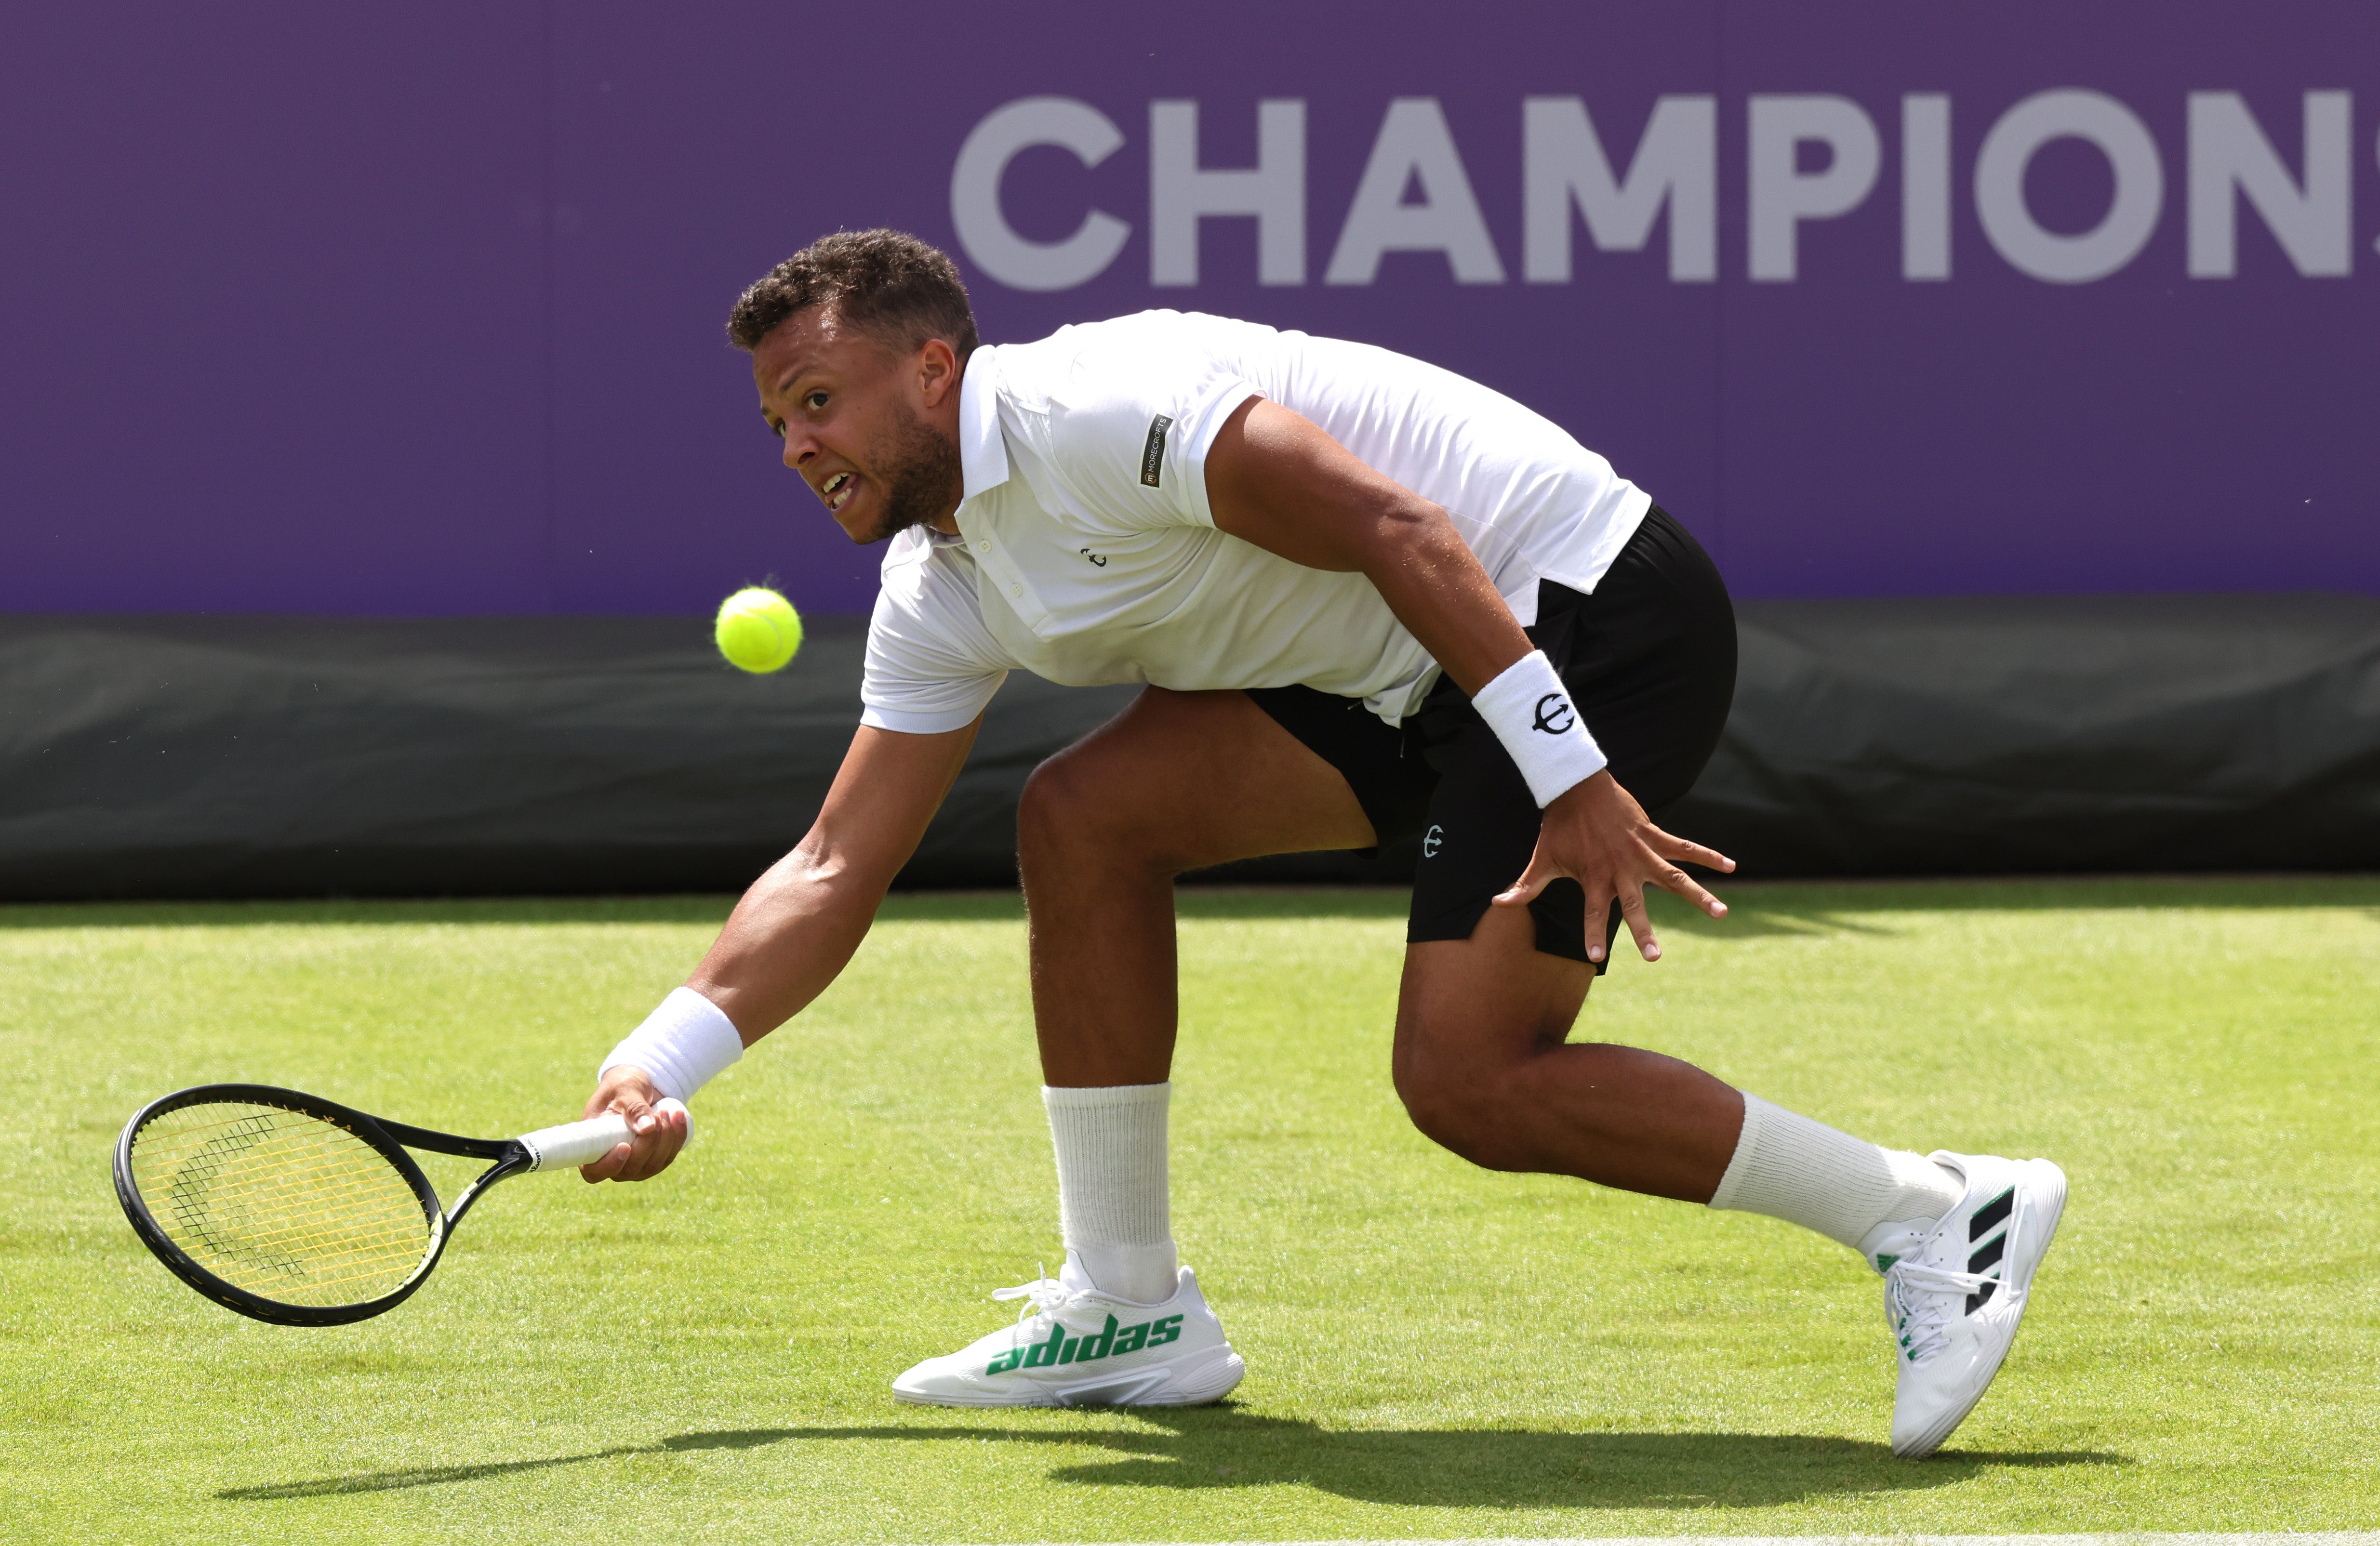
[(936, 365)]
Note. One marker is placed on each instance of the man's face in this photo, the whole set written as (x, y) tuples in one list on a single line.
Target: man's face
[(861, 423)]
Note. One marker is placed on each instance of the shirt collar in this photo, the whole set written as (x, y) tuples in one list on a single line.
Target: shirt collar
[(983, 452)]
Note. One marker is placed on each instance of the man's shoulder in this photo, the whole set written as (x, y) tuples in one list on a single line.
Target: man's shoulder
[(928, 618), (915, 560), (1136, 341), (910, 548)]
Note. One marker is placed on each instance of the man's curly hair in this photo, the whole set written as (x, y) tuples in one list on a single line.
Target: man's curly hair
[(886, 282)]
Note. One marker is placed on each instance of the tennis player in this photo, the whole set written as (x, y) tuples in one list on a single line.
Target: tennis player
[(1368, 600)]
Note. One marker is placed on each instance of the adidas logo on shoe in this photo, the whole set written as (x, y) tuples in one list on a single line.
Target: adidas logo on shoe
[(1060, 1348), (1073, 1345)]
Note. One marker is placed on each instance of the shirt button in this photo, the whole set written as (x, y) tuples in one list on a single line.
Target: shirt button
[(1016, 590), (983, 546)]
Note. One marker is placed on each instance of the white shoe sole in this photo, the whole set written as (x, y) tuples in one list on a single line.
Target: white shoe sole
[(2029, 1239), (1207, 1375)]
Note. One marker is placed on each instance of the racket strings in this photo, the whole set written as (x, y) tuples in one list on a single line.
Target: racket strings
[(284, 1205)]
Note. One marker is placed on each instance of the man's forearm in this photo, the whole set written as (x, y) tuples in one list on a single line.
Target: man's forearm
[(1441, 592), (794, 930)]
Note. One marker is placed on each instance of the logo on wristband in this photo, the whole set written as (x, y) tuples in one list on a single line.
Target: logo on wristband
[(1555, 716)]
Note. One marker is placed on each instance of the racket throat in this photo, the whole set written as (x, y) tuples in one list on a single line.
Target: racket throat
[(513, 1164)]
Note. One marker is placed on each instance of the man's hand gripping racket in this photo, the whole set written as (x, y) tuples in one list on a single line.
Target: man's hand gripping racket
[(658, 1126), (301, 1212)]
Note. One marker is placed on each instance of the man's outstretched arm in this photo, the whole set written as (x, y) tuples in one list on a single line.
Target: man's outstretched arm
[(797, 926), (1277, 480)]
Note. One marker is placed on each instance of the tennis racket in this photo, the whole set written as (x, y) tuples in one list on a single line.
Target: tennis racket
[(302, 1211)]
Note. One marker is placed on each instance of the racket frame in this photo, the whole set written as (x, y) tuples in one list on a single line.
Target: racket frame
[(390, 1140)]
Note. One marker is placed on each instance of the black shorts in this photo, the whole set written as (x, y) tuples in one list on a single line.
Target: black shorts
[(1649, 659)]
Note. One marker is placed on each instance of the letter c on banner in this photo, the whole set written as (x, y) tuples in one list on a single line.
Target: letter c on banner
[(983, 226), (2132, 215)]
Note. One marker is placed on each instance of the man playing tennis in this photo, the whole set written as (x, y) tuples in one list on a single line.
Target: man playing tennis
[(1368, 598)]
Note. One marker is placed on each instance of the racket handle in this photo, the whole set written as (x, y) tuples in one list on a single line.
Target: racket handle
[(582, 1142)]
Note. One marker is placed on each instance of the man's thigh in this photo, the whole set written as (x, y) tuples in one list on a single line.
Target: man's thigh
[(1188, 779), (1472, 1006)]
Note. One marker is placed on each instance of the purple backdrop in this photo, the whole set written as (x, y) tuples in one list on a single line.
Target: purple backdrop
[(417, 309)]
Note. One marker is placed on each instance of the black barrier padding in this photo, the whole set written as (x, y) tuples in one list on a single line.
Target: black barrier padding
[(276, 757), (2006, 735)]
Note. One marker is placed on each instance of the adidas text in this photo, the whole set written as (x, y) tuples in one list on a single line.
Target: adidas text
[(1061, 1349)]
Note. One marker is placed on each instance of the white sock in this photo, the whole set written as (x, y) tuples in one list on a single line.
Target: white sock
[(1805, 1172), (1111, 1195)]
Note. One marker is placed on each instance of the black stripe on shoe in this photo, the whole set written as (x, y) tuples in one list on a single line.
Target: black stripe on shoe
[(1988, 1253), (1991, 1216)]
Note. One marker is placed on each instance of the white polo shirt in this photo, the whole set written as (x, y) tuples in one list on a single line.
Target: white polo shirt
[(1087, 553)]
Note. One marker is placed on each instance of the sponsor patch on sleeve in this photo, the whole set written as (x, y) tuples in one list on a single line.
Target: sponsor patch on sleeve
[(1152, 453)]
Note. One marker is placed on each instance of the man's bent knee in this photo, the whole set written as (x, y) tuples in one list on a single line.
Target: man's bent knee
[(1074, 812), (1061, 801), (1466, 1114)]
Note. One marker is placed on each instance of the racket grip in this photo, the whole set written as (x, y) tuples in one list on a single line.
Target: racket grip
[(575, 1143)]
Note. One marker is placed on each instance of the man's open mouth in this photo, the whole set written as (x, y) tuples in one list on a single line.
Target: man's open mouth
[(837, 490)]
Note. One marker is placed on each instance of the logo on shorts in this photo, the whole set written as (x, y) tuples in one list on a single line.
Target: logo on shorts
[(1554, 715), (1152, 455), (1432, 841)]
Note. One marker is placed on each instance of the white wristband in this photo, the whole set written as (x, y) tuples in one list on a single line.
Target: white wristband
[(1531, 713), (681, 1046)]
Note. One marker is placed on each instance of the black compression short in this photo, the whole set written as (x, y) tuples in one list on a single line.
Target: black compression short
[(1649, 659)]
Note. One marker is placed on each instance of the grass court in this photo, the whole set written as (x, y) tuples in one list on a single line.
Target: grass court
[(1434, 1351)]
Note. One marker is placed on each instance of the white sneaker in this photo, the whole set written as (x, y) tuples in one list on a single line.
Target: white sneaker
[(1955, 1288), (1073, 1345)]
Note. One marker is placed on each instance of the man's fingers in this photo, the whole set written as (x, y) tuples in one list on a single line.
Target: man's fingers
[(629, 1103), (1640, 923), (660, 1132), (1599, 910), (656, 1130), (1678, 881), (608, 1167), (1679, 851), (1536, 879)]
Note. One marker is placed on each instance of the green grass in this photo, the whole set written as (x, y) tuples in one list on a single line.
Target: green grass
[(1433, 1350)]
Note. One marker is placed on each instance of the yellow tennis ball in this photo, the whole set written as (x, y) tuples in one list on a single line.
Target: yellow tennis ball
[(757, 630)]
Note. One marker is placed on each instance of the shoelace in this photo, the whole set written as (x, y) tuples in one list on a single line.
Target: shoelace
[(1048, 1296), (1918, 1300)]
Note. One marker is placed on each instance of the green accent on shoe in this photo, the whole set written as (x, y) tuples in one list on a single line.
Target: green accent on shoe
[(1058, 1348), (1044, 1353)]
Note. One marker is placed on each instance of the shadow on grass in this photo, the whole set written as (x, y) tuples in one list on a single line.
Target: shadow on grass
[(1221, 1446)]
